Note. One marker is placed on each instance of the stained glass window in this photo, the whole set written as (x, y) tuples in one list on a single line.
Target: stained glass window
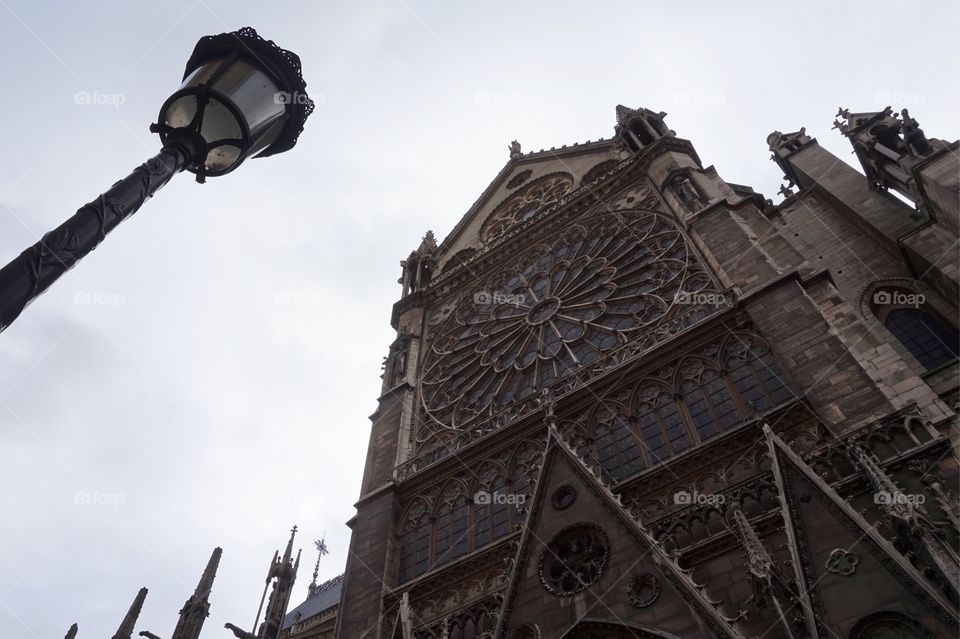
[(926, 337), (596, 286)]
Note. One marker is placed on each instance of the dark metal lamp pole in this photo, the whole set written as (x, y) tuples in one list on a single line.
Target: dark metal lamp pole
[(241, 96)]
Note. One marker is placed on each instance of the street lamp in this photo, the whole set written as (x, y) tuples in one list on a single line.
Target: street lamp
[(242, 96)]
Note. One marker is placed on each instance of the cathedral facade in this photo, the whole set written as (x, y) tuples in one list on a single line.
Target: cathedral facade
[(630, 399)]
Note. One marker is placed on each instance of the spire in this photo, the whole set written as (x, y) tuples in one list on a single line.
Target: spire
[(288, 551), (130, 620), (283, 574), (321, 546), (789, 469), (197, 608), (909, 526), (770, 587), (890, 148), (72, 633)]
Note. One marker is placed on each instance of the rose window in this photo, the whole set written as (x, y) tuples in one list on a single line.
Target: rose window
[(574, 559), (524, 204), (594, 287)]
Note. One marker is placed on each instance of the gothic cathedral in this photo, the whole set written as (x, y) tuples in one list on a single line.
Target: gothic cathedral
[(629, 399)]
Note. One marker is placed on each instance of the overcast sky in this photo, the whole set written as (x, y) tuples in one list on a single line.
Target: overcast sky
[(206, 375)]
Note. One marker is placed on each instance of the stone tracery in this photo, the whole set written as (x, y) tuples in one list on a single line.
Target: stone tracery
[(591, 289), (524, 204)]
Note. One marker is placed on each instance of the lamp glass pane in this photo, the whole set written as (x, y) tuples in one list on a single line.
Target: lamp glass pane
[(254, 93), (269, 136), (181, 112), (219, 123), (202, 74), (221, 158)]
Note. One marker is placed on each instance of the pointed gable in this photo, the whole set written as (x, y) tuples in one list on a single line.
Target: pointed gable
[(514, 194), (583, 557), (844, 565)]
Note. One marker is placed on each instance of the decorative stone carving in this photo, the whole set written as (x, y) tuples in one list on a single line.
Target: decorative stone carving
[(592, 288), (418, 269), (523, 205), (842, 562), (519, 178), (563, 497), (395, 363), (685, 190), (526, 631), (914, 135), (575, 558), (643, 590)]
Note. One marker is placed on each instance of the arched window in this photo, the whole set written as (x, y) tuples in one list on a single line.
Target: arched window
[(707, 398), (661, 423), (888, 624), (927, 337), (618, 449), (524, 203), (415, 544), (597, 170), (756, 376), (491, 516), (450, 528)]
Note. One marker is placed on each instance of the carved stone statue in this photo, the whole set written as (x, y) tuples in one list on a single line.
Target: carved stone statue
[(914, 135), (239, 633), (687, 193), (515, 150)]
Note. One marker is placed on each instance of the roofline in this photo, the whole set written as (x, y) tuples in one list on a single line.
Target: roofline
[(564, 151)]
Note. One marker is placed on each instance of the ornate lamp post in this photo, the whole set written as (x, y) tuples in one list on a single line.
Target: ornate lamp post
[(242, 96)]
